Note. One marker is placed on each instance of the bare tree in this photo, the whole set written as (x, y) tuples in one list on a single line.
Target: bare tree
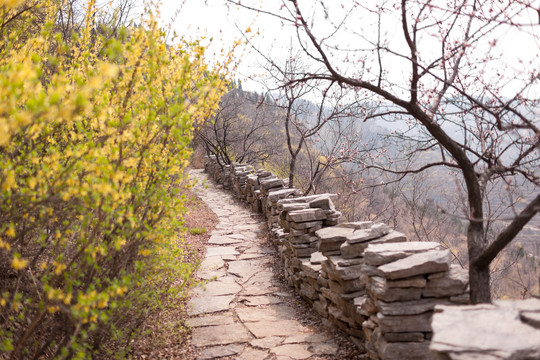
[(243, 129), (442, 70)]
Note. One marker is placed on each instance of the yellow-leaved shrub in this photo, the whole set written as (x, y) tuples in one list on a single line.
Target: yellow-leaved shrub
[(94, 137)]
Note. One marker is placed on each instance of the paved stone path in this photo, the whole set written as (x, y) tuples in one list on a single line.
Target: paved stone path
[(242, 314)]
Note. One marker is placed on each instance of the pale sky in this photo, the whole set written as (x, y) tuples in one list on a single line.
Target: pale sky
[(226, 25)]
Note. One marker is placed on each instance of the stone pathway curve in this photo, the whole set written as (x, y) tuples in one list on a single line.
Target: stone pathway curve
[(243, 313)]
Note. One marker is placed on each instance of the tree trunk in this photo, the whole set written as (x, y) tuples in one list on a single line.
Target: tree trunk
[(479, 276), (292, 166)]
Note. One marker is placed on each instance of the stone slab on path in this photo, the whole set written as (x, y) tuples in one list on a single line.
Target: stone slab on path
[(220, 335), (209, 304), (242, 312)]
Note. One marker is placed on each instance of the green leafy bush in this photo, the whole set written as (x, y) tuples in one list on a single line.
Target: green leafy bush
[(93, 135)]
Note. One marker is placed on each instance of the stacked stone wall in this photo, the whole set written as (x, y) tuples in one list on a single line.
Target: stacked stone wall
[(362, 277)]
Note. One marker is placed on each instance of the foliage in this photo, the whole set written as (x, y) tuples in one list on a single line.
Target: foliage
[(94, 135), (197, 231)]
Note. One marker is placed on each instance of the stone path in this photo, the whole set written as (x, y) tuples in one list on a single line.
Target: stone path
[(244, 313)]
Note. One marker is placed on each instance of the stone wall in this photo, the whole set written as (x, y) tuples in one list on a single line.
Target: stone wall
[(362, 277)]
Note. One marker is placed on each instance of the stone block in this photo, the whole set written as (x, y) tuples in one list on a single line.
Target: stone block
[(431, 261), (305, 225), (403, 350), (454, 282), (306, 215), (411, 307), (485, 331), (404, 337), (374, 232), (380, 254), (405, 323)]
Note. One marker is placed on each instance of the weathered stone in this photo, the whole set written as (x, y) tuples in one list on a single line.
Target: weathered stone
[(404, 350), (217, 319), (380, 254), (308, 291), (267, 342), (271, 313), (260, 300), (275, 196), (358, 225), (405, 323), (317, 258), (292, 207), (341, 272), (323, 348), (415, 281), (220, 251), (305, 225), (331, 238), (209, 304), (271, 184), (306, 215), (251, 353), (422, 263), (211, 264), (410, 307), (220, 351), (379, 291), (244, 268), (220, 335), (274, 328), (223, 286), (365, 305), (349, 250), (293, 351), (223, 240), (324, 203), (454, 282), (310, 269), (485, 332), (374, 232), (320, 308), (404, 337)]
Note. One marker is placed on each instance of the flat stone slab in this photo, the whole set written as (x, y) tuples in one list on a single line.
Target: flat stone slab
[(453, 282), (410, 307), (222, 286), (252, 354), (427, 262), (211, 264), (306, 215), (258, 289), (220, 335), (306, 338), (210, 320), (260, 300), (380, 254), (263, 329), (485, 332), (267, 342), (220, 251), (405, 323), (244, 268), (220, 351), (294, 351), (270, 313), (209, 304), (223, 240)]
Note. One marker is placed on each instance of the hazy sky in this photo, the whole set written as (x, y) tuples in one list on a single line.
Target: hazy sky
[(226, 25)]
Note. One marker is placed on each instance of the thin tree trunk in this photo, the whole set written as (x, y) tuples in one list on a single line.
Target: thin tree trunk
[(479, 275), (292, 165)]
